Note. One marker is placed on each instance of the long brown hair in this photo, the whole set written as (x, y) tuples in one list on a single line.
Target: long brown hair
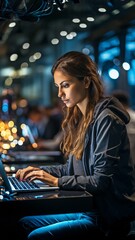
[(81, 66)]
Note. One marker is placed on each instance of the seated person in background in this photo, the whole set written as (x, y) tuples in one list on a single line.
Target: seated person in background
[(95, 141), (52, 123), (52, 144), (57, 111), (33, 119), (43, 125), (123, 97)]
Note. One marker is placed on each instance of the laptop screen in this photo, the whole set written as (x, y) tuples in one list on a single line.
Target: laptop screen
[(26, 132)]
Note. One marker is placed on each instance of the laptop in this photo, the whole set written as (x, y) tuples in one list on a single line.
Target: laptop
[(12, 184), (26, 132)]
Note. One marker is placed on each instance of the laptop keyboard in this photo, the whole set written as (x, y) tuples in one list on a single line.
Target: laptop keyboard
[(22, 184)]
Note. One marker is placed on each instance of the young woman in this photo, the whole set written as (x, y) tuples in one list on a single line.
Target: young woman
[(96, 145)]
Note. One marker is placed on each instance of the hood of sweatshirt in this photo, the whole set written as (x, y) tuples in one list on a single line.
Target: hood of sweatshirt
[(115, 106)]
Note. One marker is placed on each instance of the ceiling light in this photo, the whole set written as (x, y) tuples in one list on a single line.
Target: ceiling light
[(102, 10), (12, 24), (76, 20), (83, 25), (90, 19), (55, 41), (13, 57), (69, 36), (63, 33), (26, 46)]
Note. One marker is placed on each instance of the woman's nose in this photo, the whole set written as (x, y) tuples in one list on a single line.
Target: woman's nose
[(60, 92)]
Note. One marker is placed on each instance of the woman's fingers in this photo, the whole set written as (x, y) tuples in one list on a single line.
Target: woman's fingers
[(21, 174)]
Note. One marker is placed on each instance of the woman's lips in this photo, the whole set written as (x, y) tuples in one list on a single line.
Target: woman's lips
[(65, 101)]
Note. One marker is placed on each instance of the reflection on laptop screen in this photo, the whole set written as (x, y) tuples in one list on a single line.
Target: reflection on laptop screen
[(26, 132)]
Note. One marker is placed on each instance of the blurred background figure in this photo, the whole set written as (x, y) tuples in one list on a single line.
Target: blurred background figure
[(51, 122), (123, 97), (55, 116), (33, 119), (57, 111), (45, 124), (52, 144)]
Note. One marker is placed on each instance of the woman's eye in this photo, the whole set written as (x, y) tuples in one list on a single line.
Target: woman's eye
[(65, 85)]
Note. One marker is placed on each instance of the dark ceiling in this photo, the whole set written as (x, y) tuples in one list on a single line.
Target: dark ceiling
[(38, 22)]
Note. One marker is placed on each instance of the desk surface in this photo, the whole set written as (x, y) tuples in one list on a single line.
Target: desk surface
[(32, 156), (57, 201), (54, 201), (21, 159)]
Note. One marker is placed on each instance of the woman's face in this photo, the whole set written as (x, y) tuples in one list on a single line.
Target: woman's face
[(71, 91)]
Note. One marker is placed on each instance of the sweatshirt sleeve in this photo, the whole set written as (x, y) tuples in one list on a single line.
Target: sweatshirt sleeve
[(57, 170)]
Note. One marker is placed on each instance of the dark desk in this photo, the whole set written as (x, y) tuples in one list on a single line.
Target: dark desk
[(42, 203), (57, 201)]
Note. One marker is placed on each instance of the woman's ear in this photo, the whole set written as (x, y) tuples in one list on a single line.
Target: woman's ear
[(87, 82)]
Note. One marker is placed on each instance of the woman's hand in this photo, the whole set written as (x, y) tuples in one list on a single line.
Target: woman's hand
[(33, 173)]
